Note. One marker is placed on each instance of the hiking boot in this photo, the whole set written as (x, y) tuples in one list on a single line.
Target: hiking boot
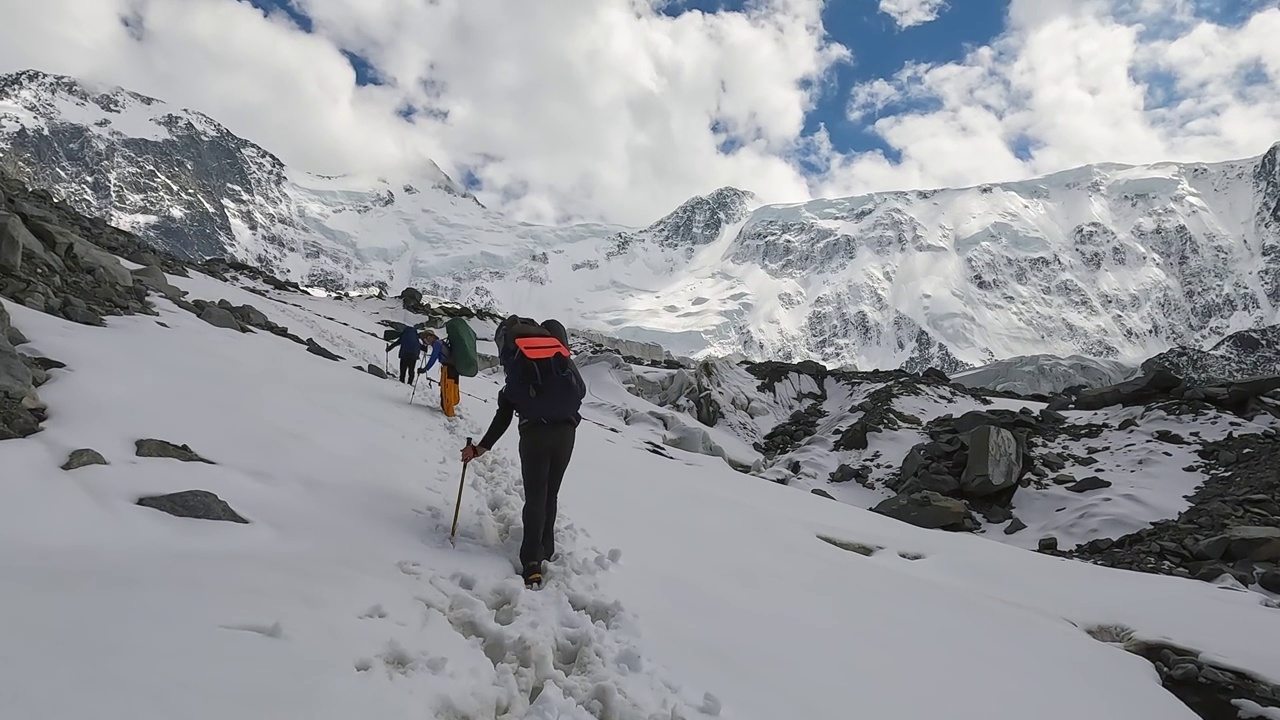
[(532, 575)]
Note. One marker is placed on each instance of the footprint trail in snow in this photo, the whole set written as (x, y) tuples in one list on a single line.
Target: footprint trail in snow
[(563, 651)]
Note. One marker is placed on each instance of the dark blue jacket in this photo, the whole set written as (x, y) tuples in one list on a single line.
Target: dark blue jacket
[(410, 344)]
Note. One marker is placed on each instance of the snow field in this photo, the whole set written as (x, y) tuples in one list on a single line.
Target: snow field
[(306, 612)]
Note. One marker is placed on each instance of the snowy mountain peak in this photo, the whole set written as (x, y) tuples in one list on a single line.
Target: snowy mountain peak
[(182, 180), (1107, 261), (702, 219)]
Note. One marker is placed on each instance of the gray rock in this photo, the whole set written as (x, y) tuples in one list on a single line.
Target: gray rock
[(15, 376), (154, 278), (11, 242), (84, 457), (1089, 483), (1015, 525), (150, 447), (219, 317), (252, 316), (84, 316), (928, 510), (199, 504), (1185, 672), (822, 493), (1211, 549), (411, 298), (1063, 479), (995, 462), (934, 482), (64, 243), (1053, 462), (1048, 543), (1259, 544), (314, 348), (15, 336), (1155, 384), (1270, 581)]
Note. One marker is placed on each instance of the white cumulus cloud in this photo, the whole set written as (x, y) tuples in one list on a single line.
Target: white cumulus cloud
[(909, 13), (610, 109)]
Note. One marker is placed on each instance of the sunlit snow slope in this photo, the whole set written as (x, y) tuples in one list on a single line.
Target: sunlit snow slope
[(1106, 261), (684, 589)]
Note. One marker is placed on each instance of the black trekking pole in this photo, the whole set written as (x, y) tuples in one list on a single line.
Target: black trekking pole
[(386, 363), (415, 386), (457, 508)]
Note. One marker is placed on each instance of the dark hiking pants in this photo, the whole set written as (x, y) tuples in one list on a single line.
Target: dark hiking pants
[(544, 456), (408, 365)]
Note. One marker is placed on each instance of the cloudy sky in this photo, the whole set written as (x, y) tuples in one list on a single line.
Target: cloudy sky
[(621, 109)]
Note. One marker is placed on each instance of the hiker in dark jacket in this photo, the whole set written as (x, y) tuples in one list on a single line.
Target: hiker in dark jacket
[(548, 426), (410, 348), (450, 392)]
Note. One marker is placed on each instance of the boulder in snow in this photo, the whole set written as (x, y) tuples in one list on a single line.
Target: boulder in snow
[(154, 278), (376, 371), (995, 462), (84, 457), (150, 447), (92, 258), (1153, 385), (314, 348), (219, 317), (12, 241), (15, 376), (929, 510), (199, 504)]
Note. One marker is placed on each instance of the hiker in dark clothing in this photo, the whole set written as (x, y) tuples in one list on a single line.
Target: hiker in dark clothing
[(546, 390), (410, 348)]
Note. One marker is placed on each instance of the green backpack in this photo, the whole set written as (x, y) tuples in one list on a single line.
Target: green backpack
[(462, 347)]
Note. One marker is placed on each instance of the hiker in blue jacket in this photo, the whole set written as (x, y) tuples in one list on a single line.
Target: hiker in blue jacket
[(450, 393), (410, 348)]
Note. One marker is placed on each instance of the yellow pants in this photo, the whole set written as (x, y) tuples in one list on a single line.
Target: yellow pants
[(449, 393)]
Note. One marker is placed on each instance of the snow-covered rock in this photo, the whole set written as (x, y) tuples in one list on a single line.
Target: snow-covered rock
[(1240, 355), (1044, 374), (1106, 261)]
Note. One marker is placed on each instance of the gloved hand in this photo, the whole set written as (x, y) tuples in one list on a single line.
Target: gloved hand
[(471, 452), (421, 370), (388, 347)]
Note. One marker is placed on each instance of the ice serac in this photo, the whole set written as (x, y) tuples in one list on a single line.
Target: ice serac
[(1107, 261), (1045, 374)]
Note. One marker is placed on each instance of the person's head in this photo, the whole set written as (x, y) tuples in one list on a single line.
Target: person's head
[(429, 336)]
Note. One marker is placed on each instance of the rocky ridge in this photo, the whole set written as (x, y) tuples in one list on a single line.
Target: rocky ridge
[(57, 261)]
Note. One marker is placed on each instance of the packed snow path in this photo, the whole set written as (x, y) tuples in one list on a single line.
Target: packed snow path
[(342, 597)]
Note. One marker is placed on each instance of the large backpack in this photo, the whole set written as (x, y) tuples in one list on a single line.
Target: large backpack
[(462, 347), (541, 381)]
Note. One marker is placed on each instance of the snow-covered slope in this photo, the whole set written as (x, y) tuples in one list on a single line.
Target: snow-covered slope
[(684, 590), (1106, 261)]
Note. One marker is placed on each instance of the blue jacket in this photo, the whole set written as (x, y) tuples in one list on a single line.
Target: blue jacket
[(439, 351), (410, 344)]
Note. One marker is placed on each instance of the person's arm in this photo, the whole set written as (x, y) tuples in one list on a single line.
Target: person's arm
[(435, 355), (582, 384), (501, 421)]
